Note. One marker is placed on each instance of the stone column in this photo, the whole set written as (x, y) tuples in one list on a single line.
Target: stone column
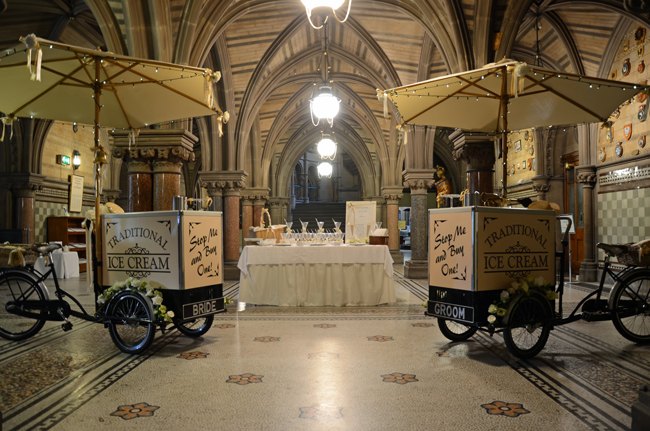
[(140, 183), (24, 212), (166, 184), (275, 209), (155, 161), (419, 181), (478, 152), (231, 233), (259, 197), (247, 220), (589, 266), (20, 204), (392, 195), (230, 184), (216, 193)]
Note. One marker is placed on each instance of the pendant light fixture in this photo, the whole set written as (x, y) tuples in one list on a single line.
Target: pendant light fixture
[(334, 5), (324, 106), (326, 147), (325, 170)]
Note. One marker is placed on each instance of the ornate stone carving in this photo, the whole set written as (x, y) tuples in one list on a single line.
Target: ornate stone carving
[(418, 184), (587, 175)]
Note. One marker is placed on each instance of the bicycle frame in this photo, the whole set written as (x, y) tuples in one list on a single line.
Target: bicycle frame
[(53, 306), (602, 309)]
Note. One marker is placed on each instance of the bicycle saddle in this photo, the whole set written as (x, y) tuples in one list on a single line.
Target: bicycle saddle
[(46, 248), (614, 249)]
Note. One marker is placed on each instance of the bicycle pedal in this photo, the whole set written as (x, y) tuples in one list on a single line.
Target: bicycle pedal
[(66, 326)]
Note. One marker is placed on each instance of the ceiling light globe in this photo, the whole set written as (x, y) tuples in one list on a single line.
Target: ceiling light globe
[(325, 105), (326, 148), (325, 170)]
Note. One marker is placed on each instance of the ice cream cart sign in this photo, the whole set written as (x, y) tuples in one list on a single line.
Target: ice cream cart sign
[(482, 249), (142, 247), (514, 245), (202, 250), (450, 249)]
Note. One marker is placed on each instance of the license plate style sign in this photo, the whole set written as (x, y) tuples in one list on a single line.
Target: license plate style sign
[(203, 308), (452, 311)]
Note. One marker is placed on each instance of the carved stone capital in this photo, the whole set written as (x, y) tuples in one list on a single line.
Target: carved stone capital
[(418, 180), (587, 175), (22, 185), (167, 167), (392, 194), (176, 145), (223, 180)]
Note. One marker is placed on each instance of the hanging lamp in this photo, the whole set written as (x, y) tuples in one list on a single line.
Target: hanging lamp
[(311, 5), (326, 147), (325, 170)]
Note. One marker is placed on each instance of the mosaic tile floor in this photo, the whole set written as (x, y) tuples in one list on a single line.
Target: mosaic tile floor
[(320, 368)]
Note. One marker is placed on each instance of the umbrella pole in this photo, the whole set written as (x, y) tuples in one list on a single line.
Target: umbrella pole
[(504, 133), (100, 157)]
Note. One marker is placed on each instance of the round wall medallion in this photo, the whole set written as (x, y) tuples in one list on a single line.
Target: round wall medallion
[(601, 154), (626, 67), (619, 149)]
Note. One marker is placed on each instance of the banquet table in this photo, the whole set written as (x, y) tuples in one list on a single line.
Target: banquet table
[(311, 276), (66, 264)]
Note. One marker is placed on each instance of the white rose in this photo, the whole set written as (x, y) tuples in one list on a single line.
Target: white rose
[(504, 295), (170, 314), (157, 300), (491, 318)]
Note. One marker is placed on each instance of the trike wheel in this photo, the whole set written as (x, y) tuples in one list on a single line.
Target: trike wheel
[(455, 331), (16, 286), (195, 327), (630, 305), (130, 322), (528, 326)]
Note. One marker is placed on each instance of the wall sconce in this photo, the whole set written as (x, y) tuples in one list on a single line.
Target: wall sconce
[(76, 160)]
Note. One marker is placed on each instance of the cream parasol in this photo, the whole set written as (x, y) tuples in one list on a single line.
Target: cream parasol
[(508, 95), (49, 80)]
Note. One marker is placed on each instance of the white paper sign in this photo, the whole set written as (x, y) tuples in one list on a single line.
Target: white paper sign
[(360, 219)]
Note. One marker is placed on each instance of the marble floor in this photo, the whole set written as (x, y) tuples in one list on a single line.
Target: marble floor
[(320, 368)]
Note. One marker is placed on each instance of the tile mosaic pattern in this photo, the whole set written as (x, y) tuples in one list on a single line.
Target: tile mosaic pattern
[(133, 411), (380, 338), (193, 355), (623, 216), (244, 379), (399, 378), (586, 378), (511, 410)]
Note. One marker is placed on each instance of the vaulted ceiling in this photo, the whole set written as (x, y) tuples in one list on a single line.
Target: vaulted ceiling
[(272, 59)]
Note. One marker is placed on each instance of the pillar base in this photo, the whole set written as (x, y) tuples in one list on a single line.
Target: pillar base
[(588, 271), (397, 256), (230, 271), (416, 269)]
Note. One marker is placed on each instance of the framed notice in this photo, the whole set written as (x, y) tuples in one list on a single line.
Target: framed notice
[(360, 219), (76, 193), (564, 221)]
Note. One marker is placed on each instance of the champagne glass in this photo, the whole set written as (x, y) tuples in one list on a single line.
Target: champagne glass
[(304, 225), (320, 225), (289, 224), (337, 225)]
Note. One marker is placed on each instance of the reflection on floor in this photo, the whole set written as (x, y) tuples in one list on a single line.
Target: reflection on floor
[(320, 368)]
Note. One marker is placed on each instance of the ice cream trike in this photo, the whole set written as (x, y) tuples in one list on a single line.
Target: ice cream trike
[(493, 269), (157, 268)]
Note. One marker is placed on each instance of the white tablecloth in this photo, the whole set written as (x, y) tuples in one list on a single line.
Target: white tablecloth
[(66, 264), (309, 275)]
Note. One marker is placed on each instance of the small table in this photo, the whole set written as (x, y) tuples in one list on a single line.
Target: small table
[(66, 264), (313, 276)]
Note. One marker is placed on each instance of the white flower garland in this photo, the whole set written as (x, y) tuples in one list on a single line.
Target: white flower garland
[(160, 311), (499, 309)]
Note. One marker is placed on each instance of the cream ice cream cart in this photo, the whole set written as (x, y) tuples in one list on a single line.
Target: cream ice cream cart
[(481, 261), (179, 253)]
